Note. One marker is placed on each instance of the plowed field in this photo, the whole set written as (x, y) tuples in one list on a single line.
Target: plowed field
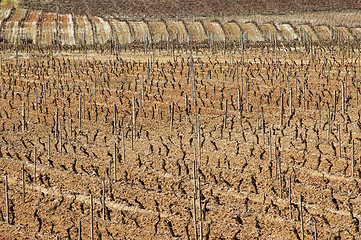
[(255, 145)]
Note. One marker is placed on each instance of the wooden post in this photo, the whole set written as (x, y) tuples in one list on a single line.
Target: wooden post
[(225, 116), (334, 106), (79, 231), (123, 144), (23, 179), (280, 175), (95, 89), (247, 103), (171, 116), (115, 161), (60, 139), (263, 128), (200, 200), (56, 123), (304, 96), (319, 112), (356, 92), (83, 102), (281, 111), (134, 118), (329, 125), (27, 106), (35, 165), (91, 218), (103, 198), (48, 148), (132, 133), (36, 100), (200, 210), (79, 112), (353, 158), (343, 97), (270, 146), (115, 119), (276, 161), (70, 125), (186, 107), (23, 113), (289, 196), (239, 103), (301, 218), (290, 101), (339, 141), (7, 199), (2, 88), (195, 170), (195, 217)]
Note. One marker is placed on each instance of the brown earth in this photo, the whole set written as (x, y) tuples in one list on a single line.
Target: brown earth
[(189, 7), (244, 181)]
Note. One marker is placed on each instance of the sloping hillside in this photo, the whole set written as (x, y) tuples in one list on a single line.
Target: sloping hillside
[(189, 7)]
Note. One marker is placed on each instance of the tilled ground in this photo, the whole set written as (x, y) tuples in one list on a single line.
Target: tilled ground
[(188, 8), (247, 154)]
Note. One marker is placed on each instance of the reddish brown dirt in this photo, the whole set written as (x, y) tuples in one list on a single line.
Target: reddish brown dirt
[(242, 196)]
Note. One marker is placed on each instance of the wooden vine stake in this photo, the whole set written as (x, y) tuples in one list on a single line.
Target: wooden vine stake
[(134, 119), (270, 146), (79, 112), (49, 148), (289, 196), (239, 100), (7, 199), (115, 161), (195, 191), (339, 141), (281, 110), (319, 112), (343, 97), (79, 231), (263, 127), (195, 217), (70, 125), (276, 161), (60, 139), (23, 180), (301, 218), (334, 105), (103, 197), (23, 113), (353, 158), (224, 117), (115, 119), (279, 174), (35, 165), (171, 116), (356, 92), (123, 144), (200, 210), (290, 101), (329, 125), (91, 218), (56, 123)]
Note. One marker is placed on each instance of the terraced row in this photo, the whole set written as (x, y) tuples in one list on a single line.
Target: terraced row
[(47, 28)]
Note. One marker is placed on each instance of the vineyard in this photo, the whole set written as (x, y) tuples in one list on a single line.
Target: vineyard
[(169, 8), (28, 28), (177, 129)]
